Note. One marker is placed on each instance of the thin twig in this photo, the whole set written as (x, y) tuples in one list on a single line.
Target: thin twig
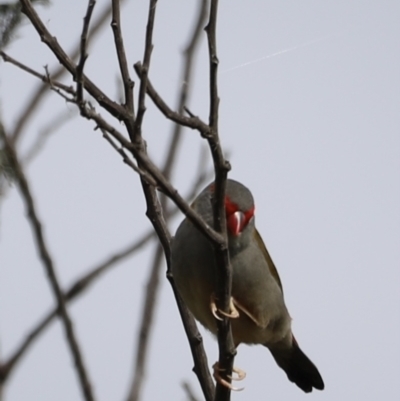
[(190, 122), (44, 78), (127, 160), (83, 54), (48, 265), (148, 48), (123, 64)]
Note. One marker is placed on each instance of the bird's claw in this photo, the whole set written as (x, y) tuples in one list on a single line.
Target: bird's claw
[(233, 314), (241, 374)]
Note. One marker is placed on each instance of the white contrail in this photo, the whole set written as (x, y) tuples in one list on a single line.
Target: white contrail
[(280, 52)]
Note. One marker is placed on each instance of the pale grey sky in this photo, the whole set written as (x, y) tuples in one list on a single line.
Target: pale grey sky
[(310, 96)]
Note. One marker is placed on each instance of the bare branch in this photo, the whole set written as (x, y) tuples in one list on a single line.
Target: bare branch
[(196, 345), (226, 345), (190, 122), (148, 48), (123, 64), (83, 55), (44, 78), (48, 265), (127, 159)]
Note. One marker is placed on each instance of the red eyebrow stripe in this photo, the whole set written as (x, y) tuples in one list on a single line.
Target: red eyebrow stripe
[(230, 207), (249, 214)]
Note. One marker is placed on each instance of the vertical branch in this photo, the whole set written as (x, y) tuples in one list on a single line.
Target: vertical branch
[(145, 66), (153, 281), (83, 55), (224, 272), (154, 210), (49, 267), (123, 64), (211, 29)]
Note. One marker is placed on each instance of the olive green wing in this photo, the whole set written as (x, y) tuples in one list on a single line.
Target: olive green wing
[(270, 263)]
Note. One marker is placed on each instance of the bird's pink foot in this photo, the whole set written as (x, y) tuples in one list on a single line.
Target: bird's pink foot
[(233, 314), (240, 375)]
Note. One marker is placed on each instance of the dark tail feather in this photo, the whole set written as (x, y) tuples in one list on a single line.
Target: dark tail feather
[(299, 369)]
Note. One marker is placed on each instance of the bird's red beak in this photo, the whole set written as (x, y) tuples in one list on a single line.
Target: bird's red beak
[(236, 222)]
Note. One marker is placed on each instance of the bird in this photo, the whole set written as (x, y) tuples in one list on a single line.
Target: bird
[(259, 314)]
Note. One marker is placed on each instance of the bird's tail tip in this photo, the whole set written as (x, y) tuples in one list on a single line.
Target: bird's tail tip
[(298, 367)]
